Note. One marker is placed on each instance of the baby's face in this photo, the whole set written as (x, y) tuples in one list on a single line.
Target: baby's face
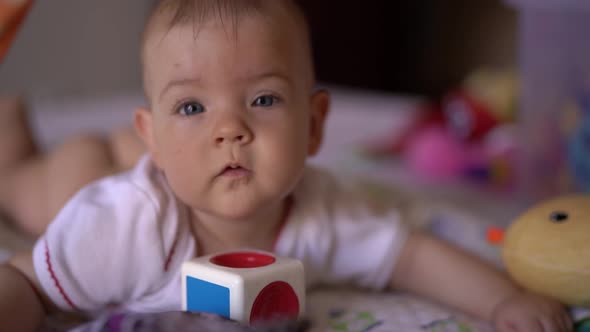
[(232, 117)]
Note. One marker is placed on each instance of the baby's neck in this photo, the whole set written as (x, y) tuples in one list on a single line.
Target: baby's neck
[(215, 234)]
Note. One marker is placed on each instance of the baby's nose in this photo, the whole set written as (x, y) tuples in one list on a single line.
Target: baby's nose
[(242, 139), (233, 131)]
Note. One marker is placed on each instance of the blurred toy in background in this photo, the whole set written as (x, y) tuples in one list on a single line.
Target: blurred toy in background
[(578, 146), (12, 14), (582, 326), (546, 249), (467, 117), (468, 134), (497, 89)]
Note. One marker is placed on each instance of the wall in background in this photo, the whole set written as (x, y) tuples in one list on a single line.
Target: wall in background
[(77, 47), (463, 35), (89, 47), (416, 46)]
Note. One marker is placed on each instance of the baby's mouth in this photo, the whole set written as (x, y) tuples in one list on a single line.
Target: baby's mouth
[(235, 171)]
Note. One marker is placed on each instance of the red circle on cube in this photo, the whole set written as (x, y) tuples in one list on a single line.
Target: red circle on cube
[(276, 301), (243, 260)]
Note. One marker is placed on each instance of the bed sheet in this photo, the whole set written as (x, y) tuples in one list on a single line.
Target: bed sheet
[(355, 116)]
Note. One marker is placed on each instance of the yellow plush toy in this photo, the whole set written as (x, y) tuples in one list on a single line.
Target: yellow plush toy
[(547, 249)]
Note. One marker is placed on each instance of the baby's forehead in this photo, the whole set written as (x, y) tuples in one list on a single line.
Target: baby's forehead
[(268, 35), (289, 31)]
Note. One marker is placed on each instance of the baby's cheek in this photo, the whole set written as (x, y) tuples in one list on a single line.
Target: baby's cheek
[(287, 149), (286, 165), (186, 181)]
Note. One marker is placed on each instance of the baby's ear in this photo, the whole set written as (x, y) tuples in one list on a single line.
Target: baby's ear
[(320, 106), (142, 121)]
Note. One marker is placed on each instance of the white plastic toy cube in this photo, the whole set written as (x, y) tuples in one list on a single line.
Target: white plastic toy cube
[(248, 286)]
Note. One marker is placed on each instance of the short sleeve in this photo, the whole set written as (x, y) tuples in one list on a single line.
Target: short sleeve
[(104, 248), (366, 249), (342, 234)]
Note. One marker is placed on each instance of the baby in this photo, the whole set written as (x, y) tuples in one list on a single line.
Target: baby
[(233, 115)]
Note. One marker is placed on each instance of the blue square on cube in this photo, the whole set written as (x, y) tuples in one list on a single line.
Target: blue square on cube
[(204, 296)]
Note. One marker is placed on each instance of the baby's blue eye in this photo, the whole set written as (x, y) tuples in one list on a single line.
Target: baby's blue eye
[(191, 108), (264, 101)]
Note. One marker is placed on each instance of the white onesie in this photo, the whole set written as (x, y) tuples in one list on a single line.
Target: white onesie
[(120, 241)]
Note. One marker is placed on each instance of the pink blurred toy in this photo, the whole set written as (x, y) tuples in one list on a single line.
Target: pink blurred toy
[(435, 153), (467, 135)]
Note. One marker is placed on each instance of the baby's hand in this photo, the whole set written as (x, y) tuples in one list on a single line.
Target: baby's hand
[(528, 312)]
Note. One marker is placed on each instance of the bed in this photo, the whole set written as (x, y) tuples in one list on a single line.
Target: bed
[(355, 114)]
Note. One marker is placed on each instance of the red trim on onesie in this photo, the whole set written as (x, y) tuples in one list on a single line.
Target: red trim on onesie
[(169, 258), (55, 280)]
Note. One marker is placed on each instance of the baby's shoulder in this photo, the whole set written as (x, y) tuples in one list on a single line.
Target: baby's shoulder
[(125, 231), (126, 206), (345, 190), (144, 185), (318, 182)]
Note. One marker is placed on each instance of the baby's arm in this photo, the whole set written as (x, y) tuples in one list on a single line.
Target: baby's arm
[(435, 269), (21, 308)]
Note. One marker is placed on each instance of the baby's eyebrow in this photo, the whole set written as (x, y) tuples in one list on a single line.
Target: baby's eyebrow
[(272, 74), (179, 82)]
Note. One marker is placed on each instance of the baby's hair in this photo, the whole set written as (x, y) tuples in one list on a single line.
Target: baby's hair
[(196, 12)]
